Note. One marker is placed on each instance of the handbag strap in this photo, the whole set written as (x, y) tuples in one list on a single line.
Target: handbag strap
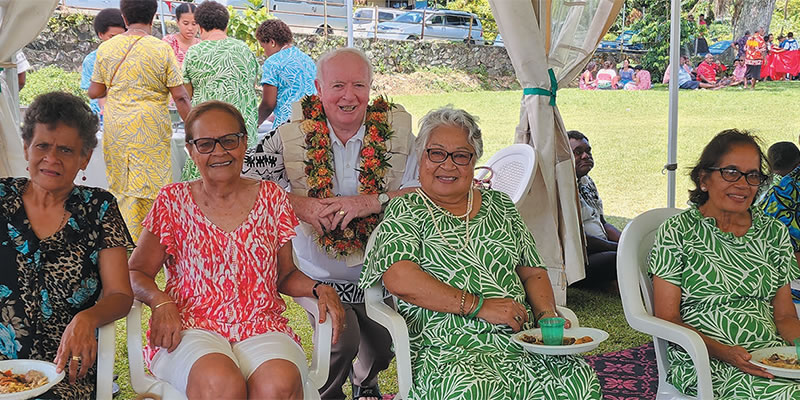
[(111, 81)]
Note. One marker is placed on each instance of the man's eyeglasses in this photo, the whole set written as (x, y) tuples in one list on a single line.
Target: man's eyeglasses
[(459, 157), (730, 174), (207, 145)]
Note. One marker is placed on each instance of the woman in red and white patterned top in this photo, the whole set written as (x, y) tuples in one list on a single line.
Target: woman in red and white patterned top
[(216, 330)]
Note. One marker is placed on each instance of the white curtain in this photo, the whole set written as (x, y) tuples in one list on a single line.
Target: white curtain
[(20, 22), (551, 40)]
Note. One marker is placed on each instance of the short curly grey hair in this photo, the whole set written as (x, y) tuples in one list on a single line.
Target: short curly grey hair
[(448, 115)]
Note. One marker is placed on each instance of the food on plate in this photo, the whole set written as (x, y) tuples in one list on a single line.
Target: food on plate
[(781, 361), (565, 342), (13, 383)]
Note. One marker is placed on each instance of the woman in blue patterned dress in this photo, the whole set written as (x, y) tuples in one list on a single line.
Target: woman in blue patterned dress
[(60, 246), (722, 268), (288, 73), (467, 275)]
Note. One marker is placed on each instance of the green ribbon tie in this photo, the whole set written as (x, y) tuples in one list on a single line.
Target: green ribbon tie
[(545, 92)]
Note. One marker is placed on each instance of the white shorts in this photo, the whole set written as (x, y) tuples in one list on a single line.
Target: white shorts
[(248, 354)]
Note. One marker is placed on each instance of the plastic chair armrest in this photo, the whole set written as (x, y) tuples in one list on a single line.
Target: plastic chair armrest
[(380, 312), (321, 356), (141, 382), (105, 360), (688, 339)]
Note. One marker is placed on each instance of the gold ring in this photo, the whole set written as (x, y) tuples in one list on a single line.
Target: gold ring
[(341, 212), (76, 358), (518, 319)]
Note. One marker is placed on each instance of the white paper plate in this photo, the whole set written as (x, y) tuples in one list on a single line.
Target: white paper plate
[(23, 366), (597, 335), (788, 351)]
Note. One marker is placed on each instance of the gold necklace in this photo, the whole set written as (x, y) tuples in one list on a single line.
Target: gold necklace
[(428, 200)]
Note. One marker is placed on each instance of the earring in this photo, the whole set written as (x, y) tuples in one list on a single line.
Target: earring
[(703, 188), (83, 175)]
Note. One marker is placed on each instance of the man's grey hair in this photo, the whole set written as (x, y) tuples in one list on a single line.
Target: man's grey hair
[(449, 116), (337, 52)]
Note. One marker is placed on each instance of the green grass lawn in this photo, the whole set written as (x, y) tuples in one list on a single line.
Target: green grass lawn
[(628, 133)]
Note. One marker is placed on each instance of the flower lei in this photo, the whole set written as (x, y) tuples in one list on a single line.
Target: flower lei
[(319, 169)]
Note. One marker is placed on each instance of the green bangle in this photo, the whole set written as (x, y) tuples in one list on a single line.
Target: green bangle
[(474, 312)]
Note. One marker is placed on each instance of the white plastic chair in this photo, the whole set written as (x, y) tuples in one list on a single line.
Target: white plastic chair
[(636, 290), (106, 338), (380, 312), (513, 168), (143, 382)]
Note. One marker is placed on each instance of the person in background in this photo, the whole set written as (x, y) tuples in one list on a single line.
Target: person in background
[(739, 70), (754, 56), (701, 20), (587, 80), (63, 249), (22, 68), (685, 80), (741, 45), (287, 75), (107, 24), (601, 236), (641, 79), (684, 64), (137, 72), (782, 199), (187, 31), (790, 43), (607, 77), (625, 74), (220, 68), (707, 70)]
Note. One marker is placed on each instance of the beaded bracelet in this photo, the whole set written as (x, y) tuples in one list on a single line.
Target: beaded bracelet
[(474, 313)]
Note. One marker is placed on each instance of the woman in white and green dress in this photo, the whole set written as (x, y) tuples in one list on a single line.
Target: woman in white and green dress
[(722, 268), (220, 68), (467, 275)]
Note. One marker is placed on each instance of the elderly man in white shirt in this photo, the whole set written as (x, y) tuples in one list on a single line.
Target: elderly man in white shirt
[(601, 236), (340, 200)]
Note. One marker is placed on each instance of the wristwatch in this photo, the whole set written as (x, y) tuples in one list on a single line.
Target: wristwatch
[(383, 198)]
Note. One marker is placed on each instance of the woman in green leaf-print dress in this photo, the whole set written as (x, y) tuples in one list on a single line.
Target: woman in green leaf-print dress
[(221, 68), (723, 269), (465, 284)]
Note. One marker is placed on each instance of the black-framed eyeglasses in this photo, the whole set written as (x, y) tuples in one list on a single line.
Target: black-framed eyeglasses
[(459, 157), (207, 145), (730, 174)]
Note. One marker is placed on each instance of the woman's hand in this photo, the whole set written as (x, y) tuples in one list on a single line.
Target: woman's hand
[(78, 346), (329, 303), (740, 358), (504, 312), (165, 327)]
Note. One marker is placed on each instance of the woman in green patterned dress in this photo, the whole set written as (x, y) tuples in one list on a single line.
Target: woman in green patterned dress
[(220, 68), (722, 268), (467, 275)]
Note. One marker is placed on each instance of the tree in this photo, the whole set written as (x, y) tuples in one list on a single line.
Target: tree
[(752, 14)]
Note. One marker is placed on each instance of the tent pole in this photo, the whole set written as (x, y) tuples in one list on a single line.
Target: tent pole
[(674, 64), (163, 23), (349, 23)]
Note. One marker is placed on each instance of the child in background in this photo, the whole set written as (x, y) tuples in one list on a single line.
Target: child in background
[(739, 70), (107, 24)]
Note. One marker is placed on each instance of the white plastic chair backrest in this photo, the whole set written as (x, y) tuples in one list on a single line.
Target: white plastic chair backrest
[(635, 285), (513, 168)]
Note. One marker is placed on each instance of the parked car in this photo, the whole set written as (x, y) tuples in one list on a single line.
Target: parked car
[(309, 16), (498, 41), (622, 43), (437, 25), (364, 19)]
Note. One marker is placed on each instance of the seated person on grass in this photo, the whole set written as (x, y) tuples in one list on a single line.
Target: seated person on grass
[(782, 199), (601, 236), (707, 70), (739, 70)]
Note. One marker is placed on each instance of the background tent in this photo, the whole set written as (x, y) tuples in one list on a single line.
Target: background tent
[(549, 42)]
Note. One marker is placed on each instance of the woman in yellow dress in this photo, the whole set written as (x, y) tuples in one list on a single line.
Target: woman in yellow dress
[(137, 72)]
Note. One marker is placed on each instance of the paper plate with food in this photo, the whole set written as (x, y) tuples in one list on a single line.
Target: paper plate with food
[(26, 379), (778, 361), (575, 340)]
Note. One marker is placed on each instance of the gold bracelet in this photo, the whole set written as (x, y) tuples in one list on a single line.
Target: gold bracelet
[(472, 304), (463, 297), (162, 303), (539, 315)]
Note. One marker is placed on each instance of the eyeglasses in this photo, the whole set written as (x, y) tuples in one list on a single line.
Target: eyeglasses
[(459, 157), (207, 145), (753, 178)]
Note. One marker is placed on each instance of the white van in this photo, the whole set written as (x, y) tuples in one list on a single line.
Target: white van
[(309, 15)]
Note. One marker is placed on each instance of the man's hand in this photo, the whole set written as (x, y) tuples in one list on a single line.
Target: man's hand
[(342, 210), (310, 211)]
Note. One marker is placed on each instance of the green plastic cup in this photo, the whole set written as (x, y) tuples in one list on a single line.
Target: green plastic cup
[(552, 331)]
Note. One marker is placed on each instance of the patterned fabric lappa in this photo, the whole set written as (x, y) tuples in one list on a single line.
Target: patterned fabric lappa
[(454, 357), (727, 284)]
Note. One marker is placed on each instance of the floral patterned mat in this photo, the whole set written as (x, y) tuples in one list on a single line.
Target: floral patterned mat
[(628, 374)]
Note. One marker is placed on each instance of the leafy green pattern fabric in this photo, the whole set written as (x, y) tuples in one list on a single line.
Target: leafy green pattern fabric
[(458, 358), (224, 70), (727, 285)]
